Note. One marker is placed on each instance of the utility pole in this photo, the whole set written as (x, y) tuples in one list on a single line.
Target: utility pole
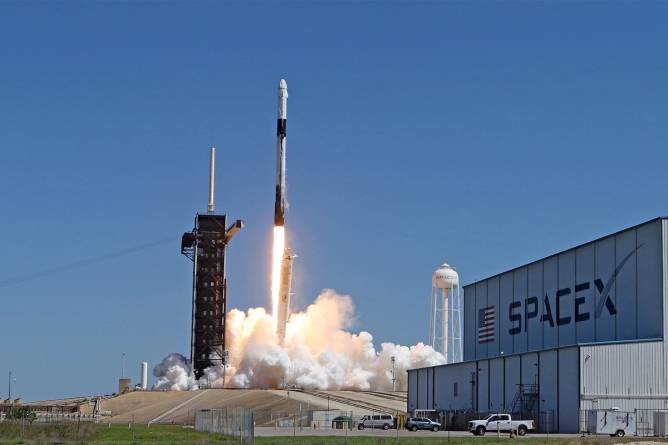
[(9, 395), (394, 379)]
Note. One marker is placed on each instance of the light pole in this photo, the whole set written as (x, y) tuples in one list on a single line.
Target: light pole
[(394, 379)]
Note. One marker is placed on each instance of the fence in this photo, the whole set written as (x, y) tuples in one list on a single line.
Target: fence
[(457, 420), (651, 422), (546, 422), (65, 417), (313, 419), (236, 422), (646, 422), (41, 417)]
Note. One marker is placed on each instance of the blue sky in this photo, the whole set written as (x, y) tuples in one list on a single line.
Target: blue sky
[(485, 134)]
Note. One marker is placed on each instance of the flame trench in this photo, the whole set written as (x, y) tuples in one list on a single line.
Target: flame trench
[(277, 255)]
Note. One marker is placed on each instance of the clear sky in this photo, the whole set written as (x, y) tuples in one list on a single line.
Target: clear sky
[(485, 134)]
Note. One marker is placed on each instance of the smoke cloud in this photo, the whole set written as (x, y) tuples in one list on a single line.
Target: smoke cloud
[(174, 373), (318, 353)]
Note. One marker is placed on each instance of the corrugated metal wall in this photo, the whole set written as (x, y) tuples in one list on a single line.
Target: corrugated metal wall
[(628, 376), (434, 388), (569, 396), (496, 391), (445, 397), (562, 300), (496, 383), (633, 375), (665, 276)]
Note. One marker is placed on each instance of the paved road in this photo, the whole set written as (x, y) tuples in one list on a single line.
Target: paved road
[(261, 431)]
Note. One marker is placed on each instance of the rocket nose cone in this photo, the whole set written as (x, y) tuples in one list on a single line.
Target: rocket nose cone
[(283, 84)]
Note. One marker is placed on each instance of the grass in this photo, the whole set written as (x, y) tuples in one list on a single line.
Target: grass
[(157, 434), (101, 434), (18, 432), (88, 433)]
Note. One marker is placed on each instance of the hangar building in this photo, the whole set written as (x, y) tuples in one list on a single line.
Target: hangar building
[(582, 329)]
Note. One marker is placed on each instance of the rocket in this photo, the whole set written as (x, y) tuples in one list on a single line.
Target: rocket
[(287, 257), (281, 122)]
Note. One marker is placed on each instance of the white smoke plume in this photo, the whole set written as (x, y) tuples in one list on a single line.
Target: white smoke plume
[(318, 353), (173, 373)]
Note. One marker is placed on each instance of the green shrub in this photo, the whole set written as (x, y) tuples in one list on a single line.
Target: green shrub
[(21, 413)]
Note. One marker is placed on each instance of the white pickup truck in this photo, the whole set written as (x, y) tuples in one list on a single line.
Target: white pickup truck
[(500, 422)]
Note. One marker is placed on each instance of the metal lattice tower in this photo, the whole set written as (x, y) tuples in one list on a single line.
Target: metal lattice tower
[(205, 246)]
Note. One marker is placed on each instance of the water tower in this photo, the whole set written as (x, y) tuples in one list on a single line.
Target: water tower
[(445, 323)]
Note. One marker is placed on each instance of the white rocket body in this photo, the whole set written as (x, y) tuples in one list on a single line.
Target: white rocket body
[(281, 133), (284, 290)]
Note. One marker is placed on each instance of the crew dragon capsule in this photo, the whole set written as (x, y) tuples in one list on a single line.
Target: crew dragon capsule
[(281, 122)]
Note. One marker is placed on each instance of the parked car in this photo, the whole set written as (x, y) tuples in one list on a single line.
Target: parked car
[(422, 423), (342, 422), (500, 422), (384, 421)]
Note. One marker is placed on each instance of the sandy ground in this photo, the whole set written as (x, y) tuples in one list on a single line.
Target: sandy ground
[(179, 407)]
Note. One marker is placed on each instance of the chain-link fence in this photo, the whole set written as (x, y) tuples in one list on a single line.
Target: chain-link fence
[(546, 422), (65, 417), (651, 422), (236, 422), (314, 419), (457, 420), (639, 422)]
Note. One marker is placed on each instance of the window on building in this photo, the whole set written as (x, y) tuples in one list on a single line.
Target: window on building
[(455, 390)]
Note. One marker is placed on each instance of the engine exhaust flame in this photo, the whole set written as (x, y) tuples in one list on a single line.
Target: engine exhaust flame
[(277, 255)]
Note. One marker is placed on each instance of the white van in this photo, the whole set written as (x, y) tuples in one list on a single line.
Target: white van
[(384, 421)]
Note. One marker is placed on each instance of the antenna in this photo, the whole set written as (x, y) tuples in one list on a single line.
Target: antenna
[(212, 179)]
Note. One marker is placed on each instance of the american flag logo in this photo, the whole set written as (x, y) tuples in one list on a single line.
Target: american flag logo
[(486, 319)]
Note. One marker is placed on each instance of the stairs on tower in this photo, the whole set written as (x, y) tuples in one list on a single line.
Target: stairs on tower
[(525, 402)]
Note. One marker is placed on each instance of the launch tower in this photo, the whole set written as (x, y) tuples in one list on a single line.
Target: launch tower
[(205, 246)]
